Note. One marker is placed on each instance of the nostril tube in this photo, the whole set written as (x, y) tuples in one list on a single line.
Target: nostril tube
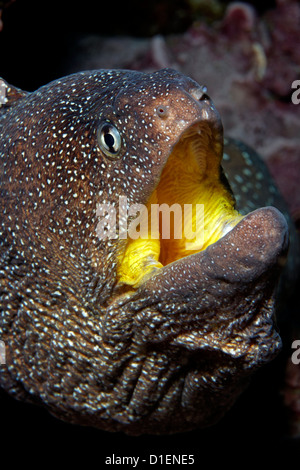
[(162, 111), (199, 93)]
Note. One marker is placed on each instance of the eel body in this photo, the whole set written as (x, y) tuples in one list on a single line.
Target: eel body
[(153, 334)]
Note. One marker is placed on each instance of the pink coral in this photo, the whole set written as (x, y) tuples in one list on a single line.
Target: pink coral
[(282, 49), (239, 20)]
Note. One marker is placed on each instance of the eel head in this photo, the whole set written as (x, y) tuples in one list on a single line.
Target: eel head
[(136, 297)]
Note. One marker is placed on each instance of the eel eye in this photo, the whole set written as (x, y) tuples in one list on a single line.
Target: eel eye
[(109, 139)]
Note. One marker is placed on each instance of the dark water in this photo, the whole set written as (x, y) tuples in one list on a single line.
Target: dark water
[(37, 37)]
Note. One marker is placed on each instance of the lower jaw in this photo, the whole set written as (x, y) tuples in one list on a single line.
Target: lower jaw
[(238, 270), (145, 256)]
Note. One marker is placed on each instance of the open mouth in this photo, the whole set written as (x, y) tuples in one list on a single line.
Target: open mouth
[(190, 208)]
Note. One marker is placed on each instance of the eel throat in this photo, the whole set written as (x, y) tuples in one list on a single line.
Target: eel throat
[(190, 208)]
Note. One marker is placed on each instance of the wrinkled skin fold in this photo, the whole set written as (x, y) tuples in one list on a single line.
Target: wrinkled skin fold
[(161, 349)]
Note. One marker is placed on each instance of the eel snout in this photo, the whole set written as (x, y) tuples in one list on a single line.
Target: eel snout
[(256, 246)]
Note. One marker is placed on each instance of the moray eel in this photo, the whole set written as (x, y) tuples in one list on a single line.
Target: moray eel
[(136, 334)]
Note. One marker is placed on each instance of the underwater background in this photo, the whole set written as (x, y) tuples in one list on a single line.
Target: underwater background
[(248, 55)]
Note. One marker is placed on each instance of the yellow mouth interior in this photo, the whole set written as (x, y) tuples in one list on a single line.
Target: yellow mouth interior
[(180, 228)]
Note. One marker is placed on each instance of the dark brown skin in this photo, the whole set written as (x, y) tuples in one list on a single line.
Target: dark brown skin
[(172, 354)]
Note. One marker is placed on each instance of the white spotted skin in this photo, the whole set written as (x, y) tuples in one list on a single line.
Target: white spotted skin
[(174, 354)]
